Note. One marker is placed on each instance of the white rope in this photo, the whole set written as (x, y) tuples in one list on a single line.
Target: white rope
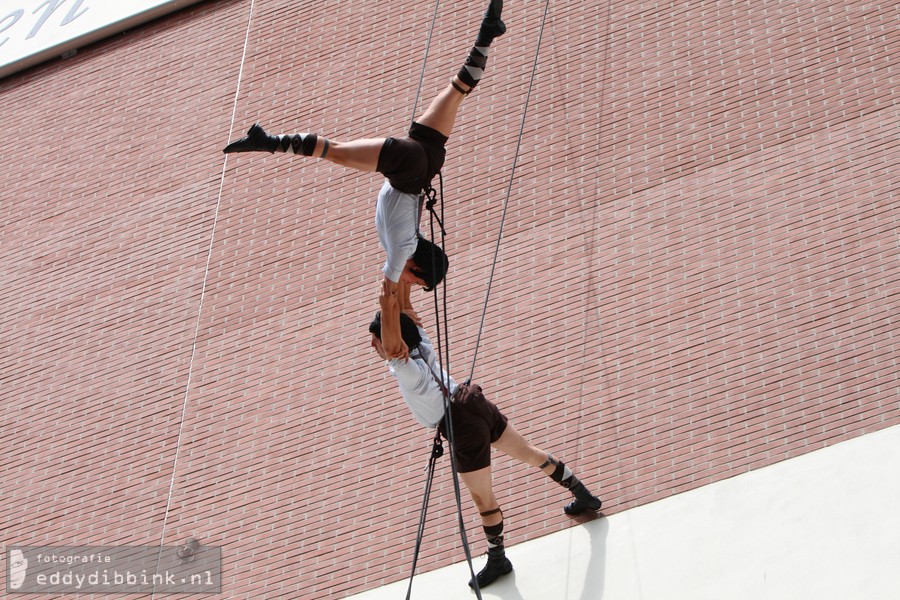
[(209, 252)]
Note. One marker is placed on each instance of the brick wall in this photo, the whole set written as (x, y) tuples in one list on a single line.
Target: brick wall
[(698, 271)]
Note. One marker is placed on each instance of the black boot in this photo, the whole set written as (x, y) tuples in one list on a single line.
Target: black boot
[(583, 501), (257, 140), (497, 566), (491, 25)]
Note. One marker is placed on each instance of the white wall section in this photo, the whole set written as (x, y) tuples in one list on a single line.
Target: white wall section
[(824, 526)]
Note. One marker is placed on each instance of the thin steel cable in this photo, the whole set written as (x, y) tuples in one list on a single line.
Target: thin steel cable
[(424, 510), (512, 178), (437, 5), (593, 275)]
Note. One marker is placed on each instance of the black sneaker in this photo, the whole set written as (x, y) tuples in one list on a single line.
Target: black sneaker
[(494, 10), (496, 567), (257, 140), (579, 505)]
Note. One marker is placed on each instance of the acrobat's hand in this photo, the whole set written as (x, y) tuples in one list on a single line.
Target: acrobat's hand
[(257, 140)]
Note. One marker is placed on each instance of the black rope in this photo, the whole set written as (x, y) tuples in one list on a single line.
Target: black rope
[(437, 449), (445, 363), (432, 199), (443, 355)]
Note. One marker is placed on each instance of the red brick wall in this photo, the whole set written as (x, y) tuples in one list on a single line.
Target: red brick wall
[(698, 272)]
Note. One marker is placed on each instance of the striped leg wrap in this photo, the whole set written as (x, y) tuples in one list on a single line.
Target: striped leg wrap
[(298, 143)]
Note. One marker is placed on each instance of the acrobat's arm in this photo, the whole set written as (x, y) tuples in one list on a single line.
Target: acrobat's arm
[(391, 338), (405, 303)]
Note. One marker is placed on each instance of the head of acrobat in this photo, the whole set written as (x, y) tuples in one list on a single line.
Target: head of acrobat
[(408, 331), (427, 267)]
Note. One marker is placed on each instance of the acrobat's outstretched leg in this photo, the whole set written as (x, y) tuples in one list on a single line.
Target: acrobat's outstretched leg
[(515, 445), (441, 113), (358, 154), (363, 154)]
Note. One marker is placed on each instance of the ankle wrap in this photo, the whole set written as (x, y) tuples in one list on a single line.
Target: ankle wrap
[(473, 69), (459, 89), (494, 535), (563, 475), (550, 461), (298, 143)]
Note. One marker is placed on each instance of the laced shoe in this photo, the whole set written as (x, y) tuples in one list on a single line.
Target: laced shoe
[(584, 500), (497, 566)]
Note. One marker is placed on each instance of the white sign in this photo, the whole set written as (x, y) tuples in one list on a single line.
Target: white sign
[(32, 31)]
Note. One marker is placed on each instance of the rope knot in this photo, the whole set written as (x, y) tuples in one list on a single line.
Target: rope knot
[(431, 196)]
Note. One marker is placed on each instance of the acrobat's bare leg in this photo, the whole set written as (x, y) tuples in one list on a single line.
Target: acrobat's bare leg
[(511, 442), (479, 485), (441, 114), (363, 154)]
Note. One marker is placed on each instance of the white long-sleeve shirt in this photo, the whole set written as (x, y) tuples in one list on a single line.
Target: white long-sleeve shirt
[(420, 391), (396, 221)]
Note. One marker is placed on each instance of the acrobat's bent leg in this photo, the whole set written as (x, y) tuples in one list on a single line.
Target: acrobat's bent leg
[(441, 113)]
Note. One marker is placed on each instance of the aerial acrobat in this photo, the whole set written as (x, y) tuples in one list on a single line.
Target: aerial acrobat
[(408, 163), (477, 425)]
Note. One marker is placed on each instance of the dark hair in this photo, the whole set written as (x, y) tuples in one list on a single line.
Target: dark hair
[(431, 263), (408, 330)]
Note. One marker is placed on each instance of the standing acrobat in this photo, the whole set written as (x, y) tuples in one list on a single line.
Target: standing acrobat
[(477, 424), (409, 164)]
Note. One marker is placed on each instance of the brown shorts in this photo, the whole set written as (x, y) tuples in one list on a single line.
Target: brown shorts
[(477, 423), (410, 163)]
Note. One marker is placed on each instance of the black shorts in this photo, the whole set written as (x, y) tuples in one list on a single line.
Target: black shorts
[(477, 423), (411, 163)]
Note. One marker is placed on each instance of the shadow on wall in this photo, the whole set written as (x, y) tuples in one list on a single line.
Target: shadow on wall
[(595, 572), (571, 567)]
